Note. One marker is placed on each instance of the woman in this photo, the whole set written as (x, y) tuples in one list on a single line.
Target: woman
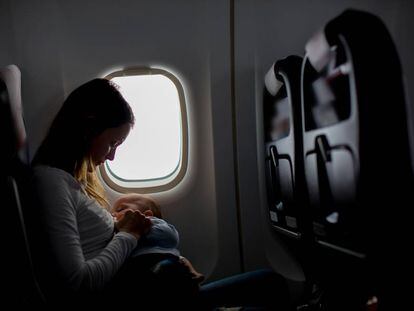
[(93, 121), (88, 253)]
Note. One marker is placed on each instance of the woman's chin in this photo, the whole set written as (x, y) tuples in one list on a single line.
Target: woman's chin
[(97, 164)]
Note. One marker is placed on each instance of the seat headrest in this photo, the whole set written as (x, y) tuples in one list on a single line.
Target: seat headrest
[(12, 123), (272, 83), (318, 50), (350, 21)]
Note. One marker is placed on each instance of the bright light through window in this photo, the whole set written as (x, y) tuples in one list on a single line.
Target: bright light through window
[(153, 149)]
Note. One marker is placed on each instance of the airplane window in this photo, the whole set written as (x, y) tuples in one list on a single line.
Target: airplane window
[(153, 157)]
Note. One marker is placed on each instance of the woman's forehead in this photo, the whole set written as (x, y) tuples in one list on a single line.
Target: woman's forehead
[(117, 133)]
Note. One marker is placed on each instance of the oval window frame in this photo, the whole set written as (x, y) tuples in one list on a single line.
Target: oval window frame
[(172, 179)]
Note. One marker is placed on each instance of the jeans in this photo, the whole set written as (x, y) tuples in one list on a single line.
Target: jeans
[(256, 290)]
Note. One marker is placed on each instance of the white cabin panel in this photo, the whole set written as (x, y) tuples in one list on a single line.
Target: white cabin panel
[(62, 44)]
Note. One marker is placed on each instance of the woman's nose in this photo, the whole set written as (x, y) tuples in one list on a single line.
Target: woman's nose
[(111, 155)]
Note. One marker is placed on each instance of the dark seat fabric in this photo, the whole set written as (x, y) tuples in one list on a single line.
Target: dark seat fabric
[(20, 277), (357, 163)]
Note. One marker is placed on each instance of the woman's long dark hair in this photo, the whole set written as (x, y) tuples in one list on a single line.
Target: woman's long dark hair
[(89, 110)]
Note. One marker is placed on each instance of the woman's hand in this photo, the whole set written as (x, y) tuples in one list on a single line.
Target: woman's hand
[(133, 222), (119, 211)]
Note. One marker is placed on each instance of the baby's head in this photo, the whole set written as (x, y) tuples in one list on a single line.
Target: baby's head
[(142, 203)]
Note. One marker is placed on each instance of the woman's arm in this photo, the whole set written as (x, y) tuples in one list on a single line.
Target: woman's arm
[(59, 202)]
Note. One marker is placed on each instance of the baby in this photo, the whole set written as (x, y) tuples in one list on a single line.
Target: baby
[(161, 242)]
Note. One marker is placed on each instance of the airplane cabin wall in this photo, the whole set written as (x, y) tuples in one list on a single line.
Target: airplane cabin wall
[(60, 44), (5, 34)]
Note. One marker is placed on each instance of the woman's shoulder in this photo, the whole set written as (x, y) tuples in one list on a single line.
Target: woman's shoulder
[(46, 170), (53, 174)]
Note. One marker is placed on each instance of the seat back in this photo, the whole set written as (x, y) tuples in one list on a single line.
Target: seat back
[(356, 146), (357, 154), (22, 286), (283, 144)]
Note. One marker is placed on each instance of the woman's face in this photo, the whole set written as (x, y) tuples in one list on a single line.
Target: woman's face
[(103, 147)]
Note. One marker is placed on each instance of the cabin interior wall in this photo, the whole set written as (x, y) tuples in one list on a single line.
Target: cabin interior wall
[(60, 44), (5, 34)]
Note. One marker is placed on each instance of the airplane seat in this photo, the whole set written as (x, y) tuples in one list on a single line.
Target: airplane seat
[(285, 180), (282, 122), (20, 282), (356, 155)]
